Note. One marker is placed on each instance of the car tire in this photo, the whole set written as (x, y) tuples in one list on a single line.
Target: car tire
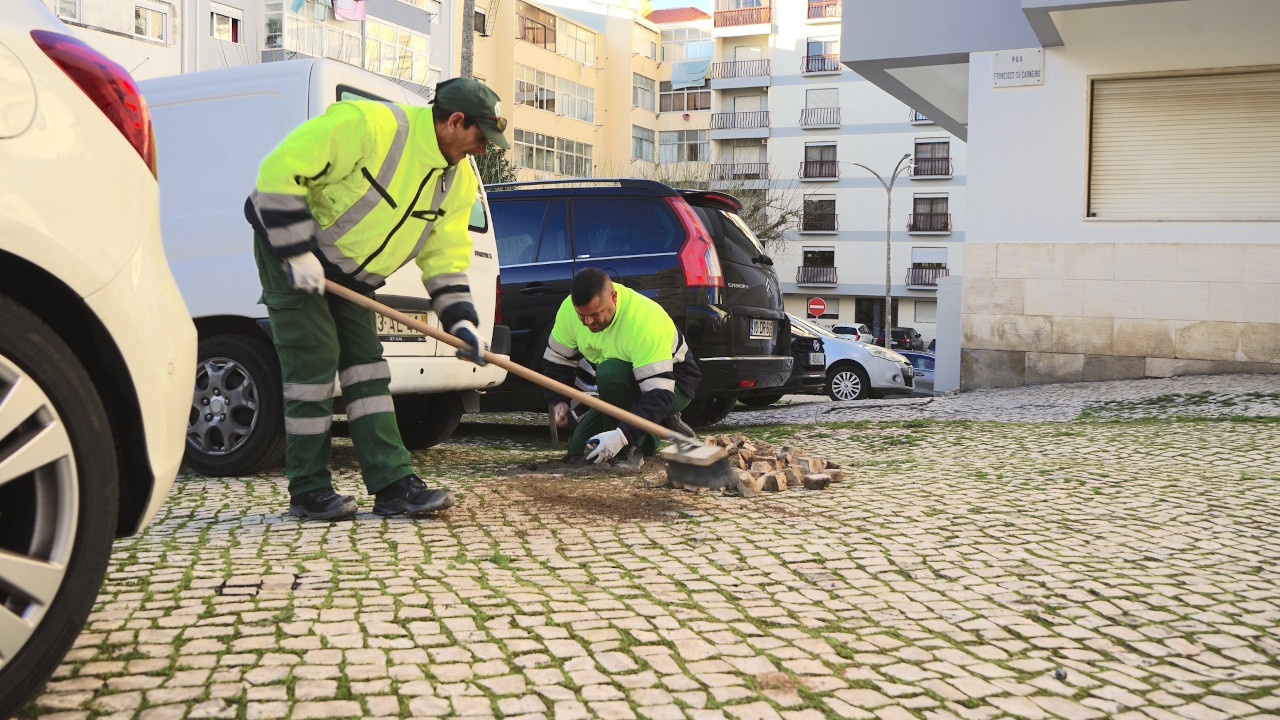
[(848, 381), (247, 436), (58, 518), (709, 411), (427, 419), (759, 401)]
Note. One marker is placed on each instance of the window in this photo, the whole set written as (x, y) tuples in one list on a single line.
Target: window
[(69, 9), (573, 158), (534, 25), (933, 157), (535, 88), (577, 101), (918, 117), (819, 213), (151, 23), (518, 233), (683, 146), (929, 257), (822, 55), (642, 91), (683, 100), (821, 107), (820, 257), (547, 153), (577, 43), (685, 44), (820, 161), (611, 226), (224, 23), (479, 23), (927, 312), (929, 214), (642, 143), (396, 52)]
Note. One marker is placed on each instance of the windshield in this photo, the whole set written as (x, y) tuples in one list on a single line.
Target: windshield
[(812, 328)]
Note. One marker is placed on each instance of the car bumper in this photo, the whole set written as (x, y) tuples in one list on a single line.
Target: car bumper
[(726, 374), (889, 376)]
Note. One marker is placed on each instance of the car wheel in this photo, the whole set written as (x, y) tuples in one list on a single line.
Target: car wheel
[(709, 411), (236, 426), (847, 382), (58, 501), (760, 400), (427, 419)]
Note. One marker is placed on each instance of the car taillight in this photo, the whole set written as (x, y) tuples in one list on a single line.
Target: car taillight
[(698, 256), (108, 85), (745, 384)]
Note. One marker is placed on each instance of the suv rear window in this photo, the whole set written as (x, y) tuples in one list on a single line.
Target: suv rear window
[(613, 226), (518, 233)]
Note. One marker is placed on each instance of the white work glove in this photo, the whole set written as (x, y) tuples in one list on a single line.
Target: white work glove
[(606, 445), (304, 272), (466, 331)]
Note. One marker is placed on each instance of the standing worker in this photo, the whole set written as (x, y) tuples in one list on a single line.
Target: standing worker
[(642, 361), (353, 195)]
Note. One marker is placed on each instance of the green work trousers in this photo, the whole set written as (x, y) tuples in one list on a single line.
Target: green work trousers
[(316, 337), (616, 384)]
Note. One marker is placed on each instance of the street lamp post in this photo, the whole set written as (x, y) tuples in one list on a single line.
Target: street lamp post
[(888, 238)]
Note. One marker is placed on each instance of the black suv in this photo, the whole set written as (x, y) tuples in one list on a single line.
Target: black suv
[(687, 250), (904, 338)]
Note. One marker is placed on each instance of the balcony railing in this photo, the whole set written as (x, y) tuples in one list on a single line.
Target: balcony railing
[(931, 167), (743, 16), (810, 117), (740, 120), (925, 275), (819, 222), (821, 63), (819, 9), (809, 275), (929, 222), (820, 169), (739, 171), (739, 69)]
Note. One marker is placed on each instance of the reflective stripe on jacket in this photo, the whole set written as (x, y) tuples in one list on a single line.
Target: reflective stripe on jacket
[(366, 185)]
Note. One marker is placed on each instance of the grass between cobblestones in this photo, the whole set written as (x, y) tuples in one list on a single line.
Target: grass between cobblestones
[(1121, 565)]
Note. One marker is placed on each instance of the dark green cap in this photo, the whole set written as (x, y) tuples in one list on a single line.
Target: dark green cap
[(480, 104)]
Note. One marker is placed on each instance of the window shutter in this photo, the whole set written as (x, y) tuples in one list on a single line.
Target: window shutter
[(1191, 147)]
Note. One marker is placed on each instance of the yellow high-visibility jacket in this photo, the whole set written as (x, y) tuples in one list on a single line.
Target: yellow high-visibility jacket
[(366, 186)]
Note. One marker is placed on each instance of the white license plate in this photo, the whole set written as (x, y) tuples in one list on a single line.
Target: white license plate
[(392, 331), (817, 359), (761, 328)]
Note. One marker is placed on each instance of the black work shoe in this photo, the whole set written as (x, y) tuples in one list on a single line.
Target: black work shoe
[(409, 495), (628, 458), (322, 504), (573, 459), (675, 422)]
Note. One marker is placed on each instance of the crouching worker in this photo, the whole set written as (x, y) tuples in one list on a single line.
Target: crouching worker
[(642, 361)]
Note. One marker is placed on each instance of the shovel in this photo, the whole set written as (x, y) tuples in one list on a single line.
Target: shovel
[(689, 462)]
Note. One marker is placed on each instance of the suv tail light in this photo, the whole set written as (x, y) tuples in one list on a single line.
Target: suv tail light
[(108, 85), (698, 256)]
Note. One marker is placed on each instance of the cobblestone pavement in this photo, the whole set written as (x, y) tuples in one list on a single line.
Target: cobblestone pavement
[(1079, 562)]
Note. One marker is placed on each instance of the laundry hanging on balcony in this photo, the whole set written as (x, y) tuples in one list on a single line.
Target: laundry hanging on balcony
[(349, 9), (690, 73)]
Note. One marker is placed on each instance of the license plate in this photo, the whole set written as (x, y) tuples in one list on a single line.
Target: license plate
[(818, 359), (392, 331), (761, 328)]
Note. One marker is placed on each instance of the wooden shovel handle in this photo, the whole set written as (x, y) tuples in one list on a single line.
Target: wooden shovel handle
[(504, 362)]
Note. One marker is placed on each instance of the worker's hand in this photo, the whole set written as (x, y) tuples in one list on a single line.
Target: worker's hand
[(606, 445), (304, 272), (466, 331), (560, 413)]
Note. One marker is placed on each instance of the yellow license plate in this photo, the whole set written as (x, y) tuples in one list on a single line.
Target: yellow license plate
[(392, 331)]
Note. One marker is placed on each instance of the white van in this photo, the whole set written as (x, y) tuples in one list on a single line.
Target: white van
[(212, 130)]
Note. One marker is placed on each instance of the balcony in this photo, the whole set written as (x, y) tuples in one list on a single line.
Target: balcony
[(810, 275), (824, 9), (926, 276), (742, 16), (819, 223), (820, 117), (739, 69), (931, 168), (819, 170), (740, 171), (740, 120), (929, 222), (814, 64)]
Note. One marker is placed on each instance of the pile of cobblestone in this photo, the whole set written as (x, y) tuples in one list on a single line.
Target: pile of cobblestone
[(762, 468)]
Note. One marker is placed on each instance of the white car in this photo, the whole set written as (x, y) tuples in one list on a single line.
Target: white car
[(856, 370), (97, 349), (859, 332)]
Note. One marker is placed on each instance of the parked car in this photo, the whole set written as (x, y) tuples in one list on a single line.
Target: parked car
[(209, 157), (922, 362), (808, 371), (857, 370), (859, 332), (97, 350), (904, 338), (688, 250)]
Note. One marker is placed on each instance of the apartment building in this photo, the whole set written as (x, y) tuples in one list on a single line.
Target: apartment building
[(1126, 178), (412, 41)]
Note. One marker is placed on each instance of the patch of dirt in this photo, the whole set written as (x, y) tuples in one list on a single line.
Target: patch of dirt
[(597, 490)]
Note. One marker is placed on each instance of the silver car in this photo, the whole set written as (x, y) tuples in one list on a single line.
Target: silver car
[(856, 370)]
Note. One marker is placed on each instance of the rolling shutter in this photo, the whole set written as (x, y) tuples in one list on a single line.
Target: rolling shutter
[(1191, 147)]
